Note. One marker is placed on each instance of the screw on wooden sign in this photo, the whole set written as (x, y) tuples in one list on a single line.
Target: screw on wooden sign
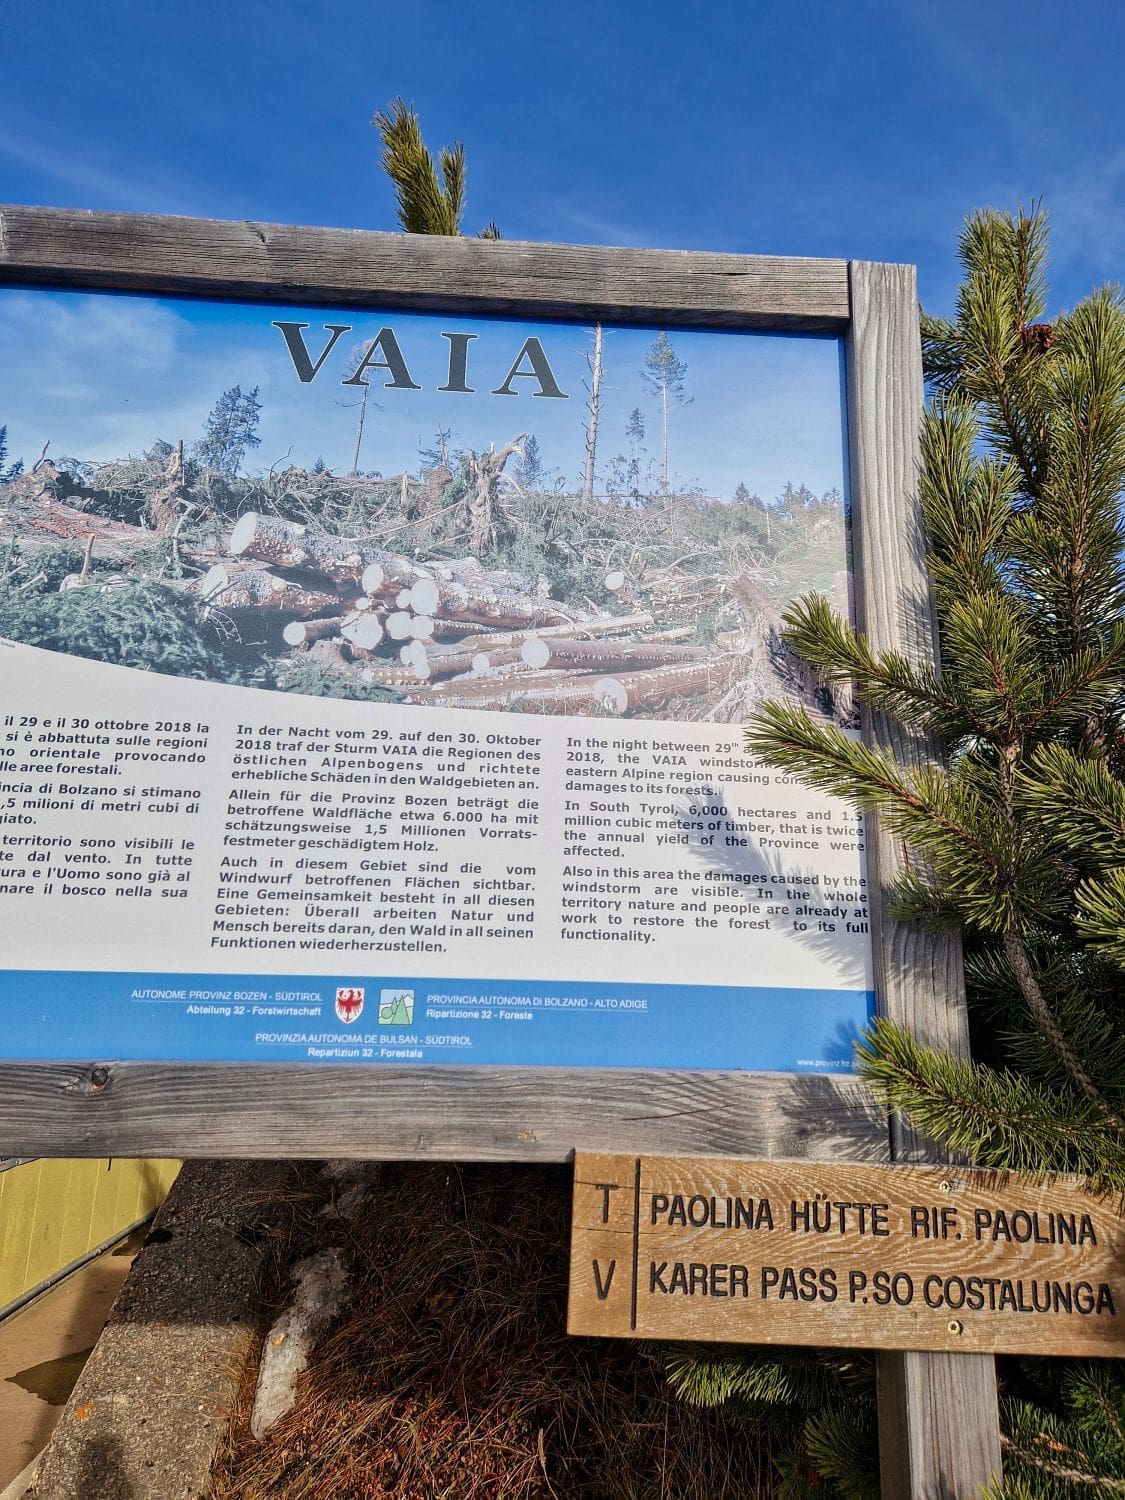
[(877, 1257)]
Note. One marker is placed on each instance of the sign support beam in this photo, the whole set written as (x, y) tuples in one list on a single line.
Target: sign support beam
[(939, 1425)]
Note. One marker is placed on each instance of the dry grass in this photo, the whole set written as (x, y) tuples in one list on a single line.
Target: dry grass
[(451, 1374)]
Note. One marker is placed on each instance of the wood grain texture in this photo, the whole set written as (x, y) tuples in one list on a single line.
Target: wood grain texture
[(951, 1443), (159, 253), (845, 1256), (435, 1113)]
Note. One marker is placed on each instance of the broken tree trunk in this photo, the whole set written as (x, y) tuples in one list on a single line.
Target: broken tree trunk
[(594, 360), (484, 470), (167, 503)]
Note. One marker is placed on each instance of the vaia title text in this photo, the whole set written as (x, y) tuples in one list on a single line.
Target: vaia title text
[(384, 353)]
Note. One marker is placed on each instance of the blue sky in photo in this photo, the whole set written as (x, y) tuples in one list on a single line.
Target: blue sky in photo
[(105, 375), (856, 128)]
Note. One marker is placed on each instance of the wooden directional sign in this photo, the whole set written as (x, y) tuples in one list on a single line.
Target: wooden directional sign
[(788, 1252)]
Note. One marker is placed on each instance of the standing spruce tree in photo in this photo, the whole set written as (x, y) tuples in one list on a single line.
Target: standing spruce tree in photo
[(1016, 832), (13, 470), (231, 429), (635, 432), (664, 374)]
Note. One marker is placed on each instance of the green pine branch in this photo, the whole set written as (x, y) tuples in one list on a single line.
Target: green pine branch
[(995, 1118), (1101, 915), (429, 197), (954, 821), (1077, 800)]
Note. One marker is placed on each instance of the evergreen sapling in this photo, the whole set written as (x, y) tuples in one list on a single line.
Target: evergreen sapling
[(1015, 822)]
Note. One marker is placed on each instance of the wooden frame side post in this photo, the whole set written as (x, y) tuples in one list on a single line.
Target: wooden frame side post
[(939, 1431)]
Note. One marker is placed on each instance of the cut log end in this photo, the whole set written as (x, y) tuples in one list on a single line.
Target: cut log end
[(304, 632), (213, 582), (373, 578), (365, 631), (615, 581), (242, 537), (536, 653), (424, 597), (609, 696)]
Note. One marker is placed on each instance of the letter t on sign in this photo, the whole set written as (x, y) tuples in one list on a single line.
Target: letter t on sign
[(605, 1188)]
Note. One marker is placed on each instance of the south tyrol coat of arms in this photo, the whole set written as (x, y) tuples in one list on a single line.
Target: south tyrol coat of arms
[(349, 1003)]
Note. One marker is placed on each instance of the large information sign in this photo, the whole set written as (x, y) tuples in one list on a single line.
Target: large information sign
[(373, 684), (379, 615)]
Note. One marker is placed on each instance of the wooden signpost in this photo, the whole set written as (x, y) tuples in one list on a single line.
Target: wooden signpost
[(939, 1431), (920, 1258)]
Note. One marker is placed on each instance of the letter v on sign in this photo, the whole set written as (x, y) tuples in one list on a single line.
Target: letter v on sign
[(299, 354), (603, 1287)]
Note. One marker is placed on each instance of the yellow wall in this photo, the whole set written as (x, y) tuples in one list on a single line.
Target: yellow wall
[(54, 1212)]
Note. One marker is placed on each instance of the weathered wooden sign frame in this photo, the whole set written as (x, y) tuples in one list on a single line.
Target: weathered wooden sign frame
[(938, 1411)]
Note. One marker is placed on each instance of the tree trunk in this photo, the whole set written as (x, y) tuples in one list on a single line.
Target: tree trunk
[(166, 503), (304, 632), (256, 588), (359, 432), (485, 603), (664, 423), (288, 544), (539, 653), (485, 639), (595, 362)]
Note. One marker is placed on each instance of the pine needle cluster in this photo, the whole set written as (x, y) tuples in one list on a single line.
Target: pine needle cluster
[(430, 196)]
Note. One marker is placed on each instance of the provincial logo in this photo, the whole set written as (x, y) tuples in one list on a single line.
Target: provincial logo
[(396, 1007), (349, 1003)]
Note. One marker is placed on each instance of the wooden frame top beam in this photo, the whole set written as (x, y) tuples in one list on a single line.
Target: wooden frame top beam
[(161, 253)]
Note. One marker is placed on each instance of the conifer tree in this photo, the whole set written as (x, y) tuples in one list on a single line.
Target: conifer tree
[(664, 373), (231, 428), (1019, 838), (1017, 835), (13, 470)]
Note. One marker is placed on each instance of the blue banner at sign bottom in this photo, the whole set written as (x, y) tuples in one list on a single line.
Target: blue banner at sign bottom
[(79, 1016)]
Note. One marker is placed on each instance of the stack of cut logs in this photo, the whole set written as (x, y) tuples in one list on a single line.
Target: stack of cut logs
[(451, 631)]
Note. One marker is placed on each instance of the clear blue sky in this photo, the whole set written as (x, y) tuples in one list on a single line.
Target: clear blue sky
[(846, 127)]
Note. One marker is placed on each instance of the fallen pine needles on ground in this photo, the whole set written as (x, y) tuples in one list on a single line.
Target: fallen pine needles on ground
[(450, 1373)]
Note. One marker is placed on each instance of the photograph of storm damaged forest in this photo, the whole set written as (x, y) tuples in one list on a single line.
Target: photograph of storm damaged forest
[(540, 518)]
